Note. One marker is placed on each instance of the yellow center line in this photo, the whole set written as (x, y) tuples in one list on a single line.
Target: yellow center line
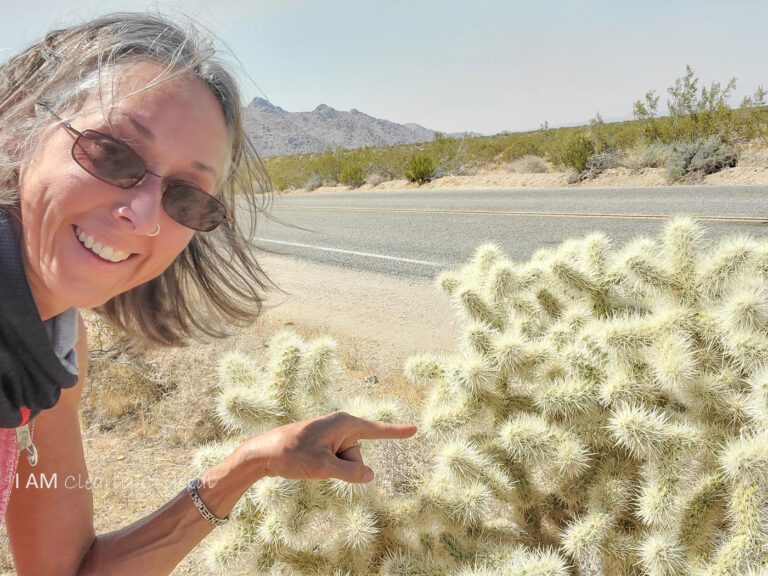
[(754, 220)]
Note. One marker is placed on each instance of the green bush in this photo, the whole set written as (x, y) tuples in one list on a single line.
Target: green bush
[(352, 175), (574, 152), (278, 182), (700, 157), (421, 169), (521, 149)]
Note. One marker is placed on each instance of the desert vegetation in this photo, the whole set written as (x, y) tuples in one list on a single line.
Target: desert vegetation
[(700, 133), (605, 413)]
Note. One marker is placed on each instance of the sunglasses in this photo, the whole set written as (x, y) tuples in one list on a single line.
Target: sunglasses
[(116, 163)]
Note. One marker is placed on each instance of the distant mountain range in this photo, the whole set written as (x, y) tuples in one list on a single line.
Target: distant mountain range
[(278, 132)]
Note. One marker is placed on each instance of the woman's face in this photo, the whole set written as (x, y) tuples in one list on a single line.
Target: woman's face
[(178, 129)]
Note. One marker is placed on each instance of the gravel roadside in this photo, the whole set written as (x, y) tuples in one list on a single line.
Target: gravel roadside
[(385, 319)]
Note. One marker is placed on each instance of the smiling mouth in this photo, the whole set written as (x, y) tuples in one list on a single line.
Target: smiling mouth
[(104, 252)]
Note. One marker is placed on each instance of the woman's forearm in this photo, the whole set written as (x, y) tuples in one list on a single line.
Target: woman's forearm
[(154, 545)]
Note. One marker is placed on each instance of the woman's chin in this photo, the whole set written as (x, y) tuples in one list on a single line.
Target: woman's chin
[(80, 293)]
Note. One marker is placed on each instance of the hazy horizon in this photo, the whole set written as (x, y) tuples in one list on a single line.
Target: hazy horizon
[(483, 67)]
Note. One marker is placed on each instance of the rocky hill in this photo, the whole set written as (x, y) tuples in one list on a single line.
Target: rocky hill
[(278, 132)]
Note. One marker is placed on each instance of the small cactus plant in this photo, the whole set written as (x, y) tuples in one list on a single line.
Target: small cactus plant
[(285, 526), (606, 413)]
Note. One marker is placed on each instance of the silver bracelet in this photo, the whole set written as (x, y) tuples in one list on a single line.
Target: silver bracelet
[(200, 505)]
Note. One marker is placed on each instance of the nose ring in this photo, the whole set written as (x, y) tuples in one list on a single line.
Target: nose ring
[(156, 231)]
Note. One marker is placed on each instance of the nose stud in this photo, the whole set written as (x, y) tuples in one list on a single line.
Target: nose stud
[(156, 231)]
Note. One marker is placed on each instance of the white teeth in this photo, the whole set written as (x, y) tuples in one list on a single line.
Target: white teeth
[(106, 252)]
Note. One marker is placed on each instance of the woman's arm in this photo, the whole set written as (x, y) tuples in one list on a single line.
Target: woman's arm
[(51, 529)]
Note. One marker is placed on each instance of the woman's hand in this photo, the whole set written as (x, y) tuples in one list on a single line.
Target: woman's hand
[(315, 449), (323, 447)]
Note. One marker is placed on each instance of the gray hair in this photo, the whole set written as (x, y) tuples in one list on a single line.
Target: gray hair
[(216, 281)]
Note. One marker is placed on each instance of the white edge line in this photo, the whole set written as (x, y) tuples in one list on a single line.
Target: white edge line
[(369, 255)]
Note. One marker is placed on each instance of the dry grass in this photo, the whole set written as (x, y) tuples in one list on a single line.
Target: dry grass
[(375, 179), (754, 155), (646, 156), (529, 165)]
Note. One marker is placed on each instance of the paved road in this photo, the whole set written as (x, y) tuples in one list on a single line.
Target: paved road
[(418, 233)]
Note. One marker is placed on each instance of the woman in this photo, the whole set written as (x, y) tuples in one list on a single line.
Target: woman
[(123, 149)]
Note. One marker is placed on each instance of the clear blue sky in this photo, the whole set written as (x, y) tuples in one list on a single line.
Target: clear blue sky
[(482, 66)]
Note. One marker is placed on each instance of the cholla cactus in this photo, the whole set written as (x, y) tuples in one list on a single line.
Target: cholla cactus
[(624, 394), (283, 525), (606, 413)]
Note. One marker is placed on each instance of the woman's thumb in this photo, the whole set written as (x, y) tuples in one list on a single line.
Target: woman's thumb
[(352, 471)]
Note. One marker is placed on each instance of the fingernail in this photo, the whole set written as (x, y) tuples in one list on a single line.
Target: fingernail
[(368, 476)]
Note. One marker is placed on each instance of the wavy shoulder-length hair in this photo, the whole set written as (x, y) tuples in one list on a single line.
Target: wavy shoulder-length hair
[(216, 282)]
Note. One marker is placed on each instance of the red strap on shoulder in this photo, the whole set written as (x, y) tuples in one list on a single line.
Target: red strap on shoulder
[(25, 412)]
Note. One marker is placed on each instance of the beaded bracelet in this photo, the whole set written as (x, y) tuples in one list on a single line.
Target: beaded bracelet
[(200, 505)]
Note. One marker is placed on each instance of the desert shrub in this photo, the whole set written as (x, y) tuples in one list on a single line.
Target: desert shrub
[(124, 389), (596, 165), (653, 155), (601, 136), (574, 152), (450, 153), (352, 175), (520, 148), (700, 157), (528, 165), (314, 182), (278, 182), (421, 169), (375, 179), (754, 154), (126, 384), (605, 413)]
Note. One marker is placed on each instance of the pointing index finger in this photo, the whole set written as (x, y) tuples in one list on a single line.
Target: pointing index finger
[(377, 430)]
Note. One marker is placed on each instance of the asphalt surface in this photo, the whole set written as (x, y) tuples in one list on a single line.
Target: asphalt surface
[(418, 233)]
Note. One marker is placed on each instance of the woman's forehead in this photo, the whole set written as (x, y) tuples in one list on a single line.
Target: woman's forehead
[(155, 107), (147, 84)]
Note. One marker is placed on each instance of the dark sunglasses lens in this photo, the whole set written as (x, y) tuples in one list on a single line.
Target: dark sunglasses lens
[(108, 159), (193, 207)]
